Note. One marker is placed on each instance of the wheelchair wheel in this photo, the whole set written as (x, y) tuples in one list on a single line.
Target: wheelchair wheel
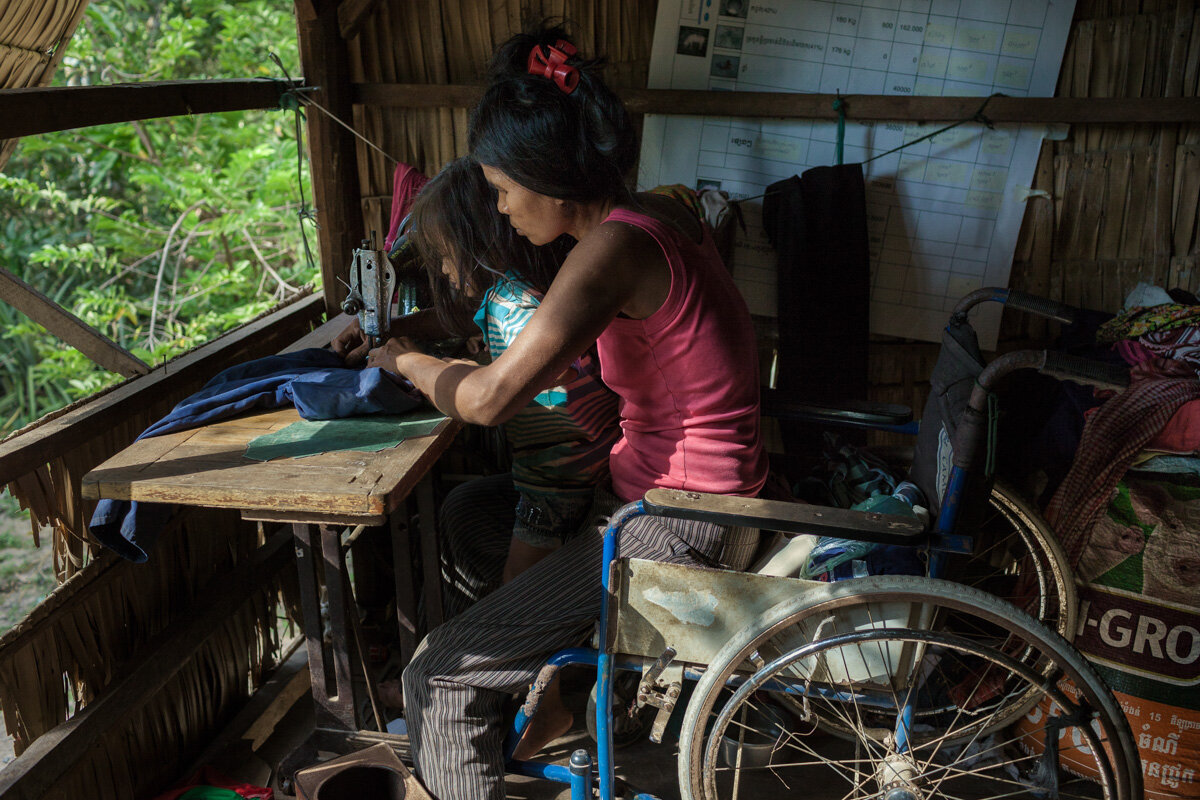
[(911, 685), (630, 724), (1018, 559)]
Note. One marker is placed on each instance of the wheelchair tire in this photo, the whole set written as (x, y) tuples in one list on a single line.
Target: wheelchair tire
[(1017, 558), (843, 656), (627, 728)]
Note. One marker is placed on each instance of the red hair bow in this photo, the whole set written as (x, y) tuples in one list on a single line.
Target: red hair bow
[(553, 64)]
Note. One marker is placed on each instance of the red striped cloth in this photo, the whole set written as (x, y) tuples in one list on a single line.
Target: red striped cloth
[(1112, 436)]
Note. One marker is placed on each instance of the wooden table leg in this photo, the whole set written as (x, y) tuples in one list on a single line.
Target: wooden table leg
[(341, 702), (332, 693), (406, 596)]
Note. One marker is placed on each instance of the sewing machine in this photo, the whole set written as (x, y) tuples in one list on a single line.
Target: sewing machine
[(373, 282)]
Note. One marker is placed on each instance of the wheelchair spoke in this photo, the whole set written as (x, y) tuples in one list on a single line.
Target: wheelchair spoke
[(923, 686), (958, 715)]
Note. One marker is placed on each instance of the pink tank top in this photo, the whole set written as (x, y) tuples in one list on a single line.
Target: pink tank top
[(687, 378)]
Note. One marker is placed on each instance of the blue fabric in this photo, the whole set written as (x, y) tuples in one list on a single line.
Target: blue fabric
[(314, 380), (832, 558)]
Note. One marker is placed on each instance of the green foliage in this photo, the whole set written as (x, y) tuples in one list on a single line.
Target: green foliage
[(161, 234)]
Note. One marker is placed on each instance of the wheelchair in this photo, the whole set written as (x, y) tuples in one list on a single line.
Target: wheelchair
[(957, 683)]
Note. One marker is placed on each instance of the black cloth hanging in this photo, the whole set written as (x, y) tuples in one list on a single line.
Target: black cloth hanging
[(817, 223)]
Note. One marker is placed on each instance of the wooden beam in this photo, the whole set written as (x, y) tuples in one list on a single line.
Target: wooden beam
[(320, 337), (48, 757), (353, 14), (256, 722), (30, 448), (859, 108), (332, 149), (24, 112), (48, 69), (68, 327)]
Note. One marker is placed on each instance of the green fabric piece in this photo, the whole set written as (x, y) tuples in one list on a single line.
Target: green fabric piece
[(210, 793), (373, 433)]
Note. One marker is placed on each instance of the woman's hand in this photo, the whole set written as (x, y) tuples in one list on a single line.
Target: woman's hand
[(351, 344), (387, 356)]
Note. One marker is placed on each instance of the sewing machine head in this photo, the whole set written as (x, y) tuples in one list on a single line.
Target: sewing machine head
[(373, 281)]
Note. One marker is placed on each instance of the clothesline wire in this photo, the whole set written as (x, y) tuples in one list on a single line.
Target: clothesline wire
[(293, 100), (304, 99), (359, 136), (305, 214), (839, 104), (978, 116)]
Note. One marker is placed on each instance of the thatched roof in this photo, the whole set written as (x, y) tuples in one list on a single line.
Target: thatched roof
[(33, 38)]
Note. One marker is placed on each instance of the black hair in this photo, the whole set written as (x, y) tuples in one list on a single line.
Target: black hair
[(454, 217), (578, 146)]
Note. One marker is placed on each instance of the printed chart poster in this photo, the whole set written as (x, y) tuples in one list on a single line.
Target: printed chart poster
[(943, 213)]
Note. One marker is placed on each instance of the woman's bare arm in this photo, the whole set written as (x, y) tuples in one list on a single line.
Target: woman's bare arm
[(617, 268)]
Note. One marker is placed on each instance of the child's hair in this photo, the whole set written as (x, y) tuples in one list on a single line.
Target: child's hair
[(576, 146), (454, 217)]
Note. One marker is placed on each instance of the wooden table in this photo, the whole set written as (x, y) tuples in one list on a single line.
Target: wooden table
[(319, 495)]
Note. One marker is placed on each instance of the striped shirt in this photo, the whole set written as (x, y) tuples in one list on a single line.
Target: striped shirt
[(561, 440)]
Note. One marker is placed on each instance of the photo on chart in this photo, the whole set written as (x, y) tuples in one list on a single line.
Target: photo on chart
[(692, 41)]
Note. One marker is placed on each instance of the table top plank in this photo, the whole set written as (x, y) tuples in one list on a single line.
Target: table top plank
[(207, 466)]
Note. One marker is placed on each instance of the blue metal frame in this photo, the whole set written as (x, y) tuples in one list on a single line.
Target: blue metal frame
[(579, 774)]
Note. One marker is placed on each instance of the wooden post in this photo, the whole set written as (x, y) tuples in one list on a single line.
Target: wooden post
[(1164, 179), (336, 191)]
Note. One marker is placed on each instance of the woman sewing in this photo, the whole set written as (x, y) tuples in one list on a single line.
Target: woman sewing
[(644, 284)]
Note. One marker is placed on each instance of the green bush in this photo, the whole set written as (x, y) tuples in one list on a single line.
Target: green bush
[(161, 234)]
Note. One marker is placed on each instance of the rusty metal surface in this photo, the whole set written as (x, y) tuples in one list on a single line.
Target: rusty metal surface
[(694, 610)]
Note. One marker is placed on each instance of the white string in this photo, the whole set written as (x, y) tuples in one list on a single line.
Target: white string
[(309, 101)]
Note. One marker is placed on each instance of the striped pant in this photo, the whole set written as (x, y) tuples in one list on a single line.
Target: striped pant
[(476, 524), (456, 685)]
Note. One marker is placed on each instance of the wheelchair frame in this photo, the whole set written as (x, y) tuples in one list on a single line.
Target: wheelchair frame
[(796, 518)]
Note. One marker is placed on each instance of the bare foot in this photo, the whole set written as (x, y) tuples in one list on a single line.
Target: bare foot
[(547, 724), (551, 720)]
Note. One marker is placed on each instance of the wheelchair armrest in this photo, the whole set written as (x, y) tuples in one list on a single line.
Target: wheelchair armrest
[(787, 406), (775, 515)]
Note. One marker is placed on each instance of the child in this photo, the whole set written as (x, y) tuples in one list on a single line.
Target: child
[(560, 442)]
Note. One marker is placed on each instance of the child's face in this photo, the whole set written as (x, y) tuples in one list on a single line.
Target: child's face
[(539, 218), (451, 272)]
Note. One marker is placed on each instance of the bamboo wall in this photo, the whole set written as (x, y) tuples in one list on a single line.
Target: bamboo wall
[(98, 625), (1122, 202), (108, 615), (469, 32)]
